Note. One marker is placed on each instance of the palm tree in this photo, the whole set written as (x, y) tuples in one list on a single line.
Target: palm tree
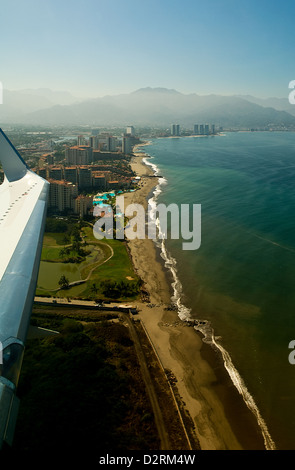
[(63, 282)]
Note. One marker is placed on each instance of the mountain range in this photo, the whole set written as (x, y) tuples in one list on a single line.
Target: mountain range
[(157, 107)]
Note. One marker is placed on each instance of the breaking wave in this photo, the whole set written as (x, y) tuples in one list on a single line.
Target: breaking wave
[(184, 312)]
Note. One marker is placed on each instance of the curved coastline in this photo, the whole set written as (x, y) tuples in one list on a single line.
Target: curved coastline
[(201, 326)]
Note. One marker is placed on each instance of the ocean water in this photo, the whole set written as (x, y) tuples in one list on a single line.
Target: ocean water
[(242, 278)]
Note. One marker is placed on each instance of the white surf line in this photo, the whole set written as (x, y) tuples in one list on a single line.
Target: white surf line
[(184, 313), (242, 389)]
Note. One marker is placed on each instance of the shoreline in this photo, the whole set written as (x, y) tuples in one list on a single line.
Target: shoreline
[(221, 418)]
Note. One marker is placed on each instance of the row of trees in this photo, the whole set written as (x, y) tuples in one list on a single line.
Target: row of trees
[(73, 250), (110, 289), (117, 289), (74, 253)]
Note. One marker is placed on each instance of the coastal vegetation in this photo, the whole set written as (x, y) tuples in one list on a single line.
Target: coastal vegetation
[(75, 264), (82, 389), (82, 386)]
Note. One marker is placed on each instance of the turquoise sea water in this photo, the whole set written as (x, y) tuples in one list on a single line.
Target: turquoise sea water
[(242, 278)]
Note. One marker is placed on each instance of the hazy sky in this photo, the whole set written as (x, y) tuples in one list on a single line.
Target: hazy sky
[(98, 47)]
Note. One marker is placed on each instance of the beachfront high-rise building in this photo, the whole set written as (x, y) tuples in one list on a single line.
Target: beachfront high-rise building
[(112, 144), (62, 195), (98, 181), (85, 177), (71, 174), (130, 130), (80, 140), (83, 205), (175, 129), (55, 173), (204, 129), (42, 172), (107, 143), (127, 145), (79, 155), (93, 141), (103, 142)]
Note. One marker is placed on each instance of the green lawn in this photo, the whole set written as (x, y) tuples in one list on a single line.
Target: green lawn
[(50, 253), (52, 239), (108, 260)]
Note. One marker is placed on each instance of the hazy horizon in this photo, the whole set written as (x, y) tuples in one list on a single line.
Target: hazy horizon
[(96, 48), (90, 97)]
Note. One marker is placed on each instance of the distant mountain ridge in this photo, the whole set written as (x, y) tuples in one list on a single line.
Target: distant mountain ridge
[(280, 104), (145, 107), (18, 104)]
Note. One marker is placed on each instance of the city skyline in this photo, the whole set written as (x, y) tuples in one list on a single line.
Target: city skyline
[(96, 48)]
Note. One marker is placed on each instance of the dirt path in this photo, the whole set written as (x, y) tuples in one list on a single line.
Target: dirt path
[(91, 271), (81, 281), (163, 434)]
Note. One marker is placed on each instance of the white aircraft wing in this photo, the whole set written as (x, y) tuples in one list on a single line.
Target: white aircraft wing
[(23, 206)]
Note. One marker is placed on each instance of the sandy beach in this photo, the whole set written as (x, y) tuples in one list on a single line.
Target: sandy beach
[(222, 420)]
